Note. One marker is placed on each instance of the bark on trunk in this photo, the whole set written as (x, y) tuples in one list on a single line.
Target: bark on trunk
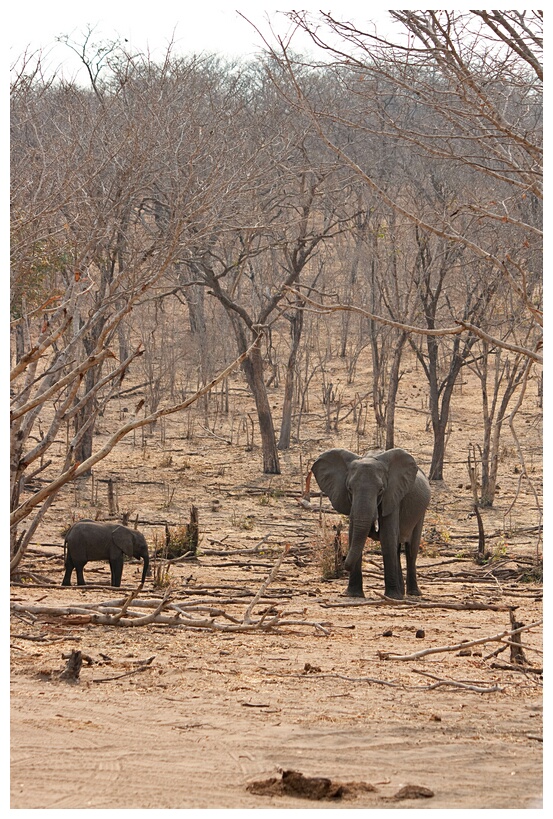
[(286, 425), (393, 386), (436, 472), (253, 370), (83, 450)]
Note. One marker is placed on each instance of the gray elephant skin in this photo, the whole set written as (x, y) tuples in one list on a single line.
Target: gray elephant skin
[(89, 540), (386, 496)]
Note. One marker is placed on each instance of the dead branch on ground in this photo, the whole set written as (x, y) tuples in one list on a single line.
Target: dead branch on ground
[(524, 669), (271, 576), (387, 601), (167, 612), (479, 689), (142, 666), (385, 655)]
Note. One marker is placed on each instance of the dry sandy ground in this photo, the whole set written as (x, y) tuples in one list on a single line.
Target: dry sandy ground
[(213, 712), (165, 716)]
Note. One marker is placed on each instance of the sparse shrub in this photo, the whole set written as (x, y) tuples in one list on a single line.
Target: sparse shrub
[(437, 533), (269, 497), (182, 539), (169, 495), (245, 522), (507, 452), (329, 550), (161, 570), (161, 575), (429, 548), (533, 575), (499, 549), (179, 541)]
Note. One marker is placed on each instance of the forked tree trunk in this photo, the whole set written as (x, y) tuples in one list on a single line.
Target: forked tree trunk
[(253, 370)]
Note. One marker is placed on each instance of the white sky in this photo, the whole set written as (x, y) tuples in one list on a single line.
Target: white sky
[(194, 27)]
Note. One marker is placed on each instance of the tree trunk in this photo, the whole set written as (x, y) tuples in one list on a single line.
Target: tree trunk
[(436, 472), (510, 376), (393, 386), (123, 341), (286, 425), (83, 450), (19, 342), (441, 392), (253, 370), (194, 295)]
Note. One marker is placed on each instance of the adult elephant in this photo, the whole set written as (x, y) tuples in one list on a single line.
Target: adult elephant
[(386, 496), (89, 540)]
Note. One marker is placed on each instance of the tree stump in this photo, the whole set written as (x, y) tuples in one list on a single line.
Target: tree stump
[(73, 667), (518, 656), (193, 530)]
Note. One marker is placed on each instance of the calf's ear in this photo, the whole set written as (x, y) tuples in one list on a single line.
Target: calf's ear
[(123, 539)]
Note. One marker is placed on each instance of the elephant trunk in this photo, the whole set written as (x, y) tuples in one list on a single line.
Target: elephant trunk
[(359, 532), (146, 559)]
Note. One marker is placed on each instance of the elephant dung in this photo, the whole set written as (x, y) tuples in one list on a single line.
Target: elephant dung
[(412, 792), (294, 783)]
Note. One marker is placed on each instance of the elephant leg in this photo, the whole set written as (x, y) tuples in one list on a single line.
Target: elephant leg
[(400, 571), (79, 566), (116, 566), (393, 578), (411, 552), (69, 566), (355, 584)]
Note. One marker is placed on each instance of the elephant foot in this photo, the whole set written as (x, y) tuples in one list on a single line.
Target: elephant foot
[(354, 593), (394, 595), (414, 593)]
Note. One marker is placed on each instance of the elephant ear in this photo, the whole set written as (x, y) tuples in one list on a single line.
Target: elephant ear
[(123, 539), (331, 470), (402, 471)]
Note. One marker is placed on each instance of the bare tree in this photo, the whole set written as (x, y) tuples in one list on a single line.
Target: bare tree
[(464, 90), (501, 374), (85, 249), (283, 208), (458, 106)]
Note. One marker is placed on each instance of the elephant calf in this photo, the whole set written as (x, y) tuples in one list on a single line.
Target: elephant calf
[(386, 496), (89, 540)]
